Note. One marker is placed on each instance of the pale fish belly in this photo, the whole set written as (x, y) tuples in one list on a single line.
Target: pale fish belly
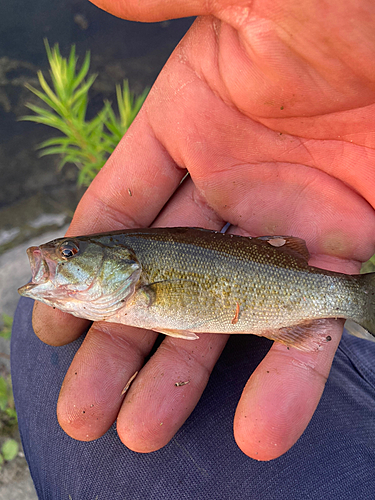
[(249, 304)]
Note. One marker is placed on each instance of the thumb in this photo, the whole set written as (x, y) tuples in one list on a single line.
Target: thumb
[(154, 10)]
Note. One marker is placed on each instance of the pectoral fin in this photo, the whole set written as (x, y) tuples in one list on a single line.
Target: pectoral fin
[(179, 334)]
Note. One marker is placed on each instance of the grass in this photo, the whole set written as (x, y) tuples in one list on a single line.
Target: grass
[(6, 330), (8, 416)]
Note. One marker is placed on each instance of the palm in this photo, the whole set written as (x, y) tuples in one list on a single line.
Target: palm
[(276, 133)]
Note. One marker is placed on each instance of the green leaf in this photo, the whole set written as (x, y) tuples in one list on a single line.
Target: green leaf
[(3, 387), (3, 394), (369, 266), (83, 90), (56, 150), (83, 71), (43, 97), (128, 106), (11, 412), (7, 320), (42, 112), (71, 66), (68, 159), (59, 71), (54, 141), (58, 124), (6, 333), (9, 449), (6, 330), (54, 101)]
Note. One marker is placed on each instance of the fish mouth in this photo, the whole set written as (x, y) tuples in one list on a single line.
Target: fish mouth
[(39, 267), (40, 271)]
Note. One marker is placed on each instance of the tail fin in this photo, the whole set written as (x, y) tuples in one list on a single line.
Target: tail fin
[(365, 327)]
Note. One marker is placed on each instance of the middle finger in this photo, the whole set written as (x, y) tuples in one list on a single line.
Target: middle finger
[(168, 388)]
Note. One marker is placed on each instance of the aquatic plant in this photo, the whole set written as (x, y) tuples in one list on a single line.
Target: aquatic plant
[(85, 143)]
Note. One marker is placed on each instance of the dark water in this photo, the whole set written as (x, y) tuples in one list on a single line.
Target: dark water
[(119, 49), (24, 24)]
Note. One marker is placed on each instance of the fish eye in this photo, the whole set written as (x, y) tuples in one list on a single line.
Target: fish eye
[(68, 250)]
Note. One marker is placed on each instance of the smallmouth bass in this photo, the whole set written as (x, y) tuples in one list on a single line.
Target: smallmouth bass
[(186, 281)]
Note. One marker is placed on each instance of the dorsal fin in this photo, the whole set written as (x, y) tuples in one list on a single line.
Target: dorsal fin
[(290, 244)]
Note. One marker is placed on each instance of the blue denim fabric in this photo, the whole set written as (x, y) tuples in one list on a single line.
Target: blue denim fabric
[(334, 459)]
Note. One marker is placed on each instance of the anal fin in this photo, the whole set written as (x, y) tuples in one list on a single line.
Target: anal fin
[(179, 334), (307, 336)]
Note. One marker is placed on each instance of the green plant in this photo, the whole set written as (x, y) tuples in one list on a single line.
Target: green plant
[(9, 451), (6, 330), (8, 415), (85, 143), (369, 266), (8, 421)]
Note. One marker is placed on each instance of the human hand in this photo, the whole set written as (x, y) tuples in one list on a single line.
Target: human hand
[(270, 108)]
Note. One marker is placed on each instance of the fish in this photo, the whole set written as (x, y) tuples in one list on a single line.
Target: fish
[(186, 281)]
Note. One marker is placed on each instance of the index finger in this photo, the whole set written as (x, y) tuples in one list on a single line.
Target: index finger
[(129, 191)]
